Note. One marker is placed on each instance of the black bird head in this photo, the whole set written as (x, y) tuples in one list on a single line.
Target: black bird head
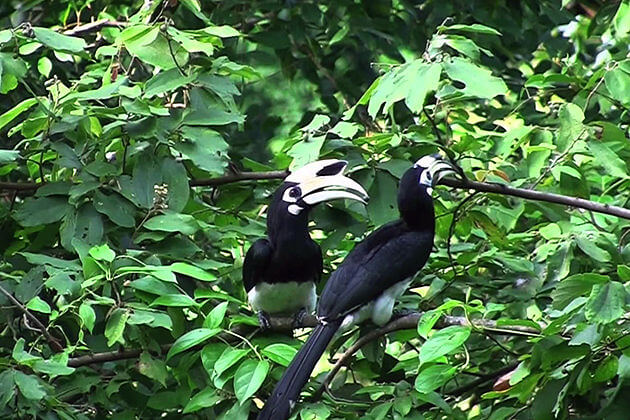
[(315, 183), (416, 186)]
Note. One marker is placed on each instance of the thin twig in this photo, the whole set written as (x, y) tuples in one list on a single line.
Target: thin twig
[(54, 343)]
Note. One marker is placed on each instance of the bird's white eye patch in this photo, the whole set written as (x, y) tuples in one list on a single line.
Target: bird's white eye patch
[(426, 178), (291, 195)]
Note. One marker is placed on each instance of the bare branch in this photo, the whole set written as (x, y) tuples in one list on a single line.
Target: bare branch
[(241, 176), (94, 27), (54, 343)]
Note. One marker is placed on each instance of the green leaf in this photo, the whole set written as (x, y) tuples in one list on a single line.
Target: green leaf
[(41, 211), (618, 84), (382, 205), (479, 81), (249, 376), (223, 31), (7, 156), (574, 286), (443, 342), (204, 399), (14, 112), (191, 339), (176, 178), (153, 368), (433, 377), (102, 253), (427, 321), (550, 231), (192, 271), (587, 244), (280, 353), (87, 315), (44, 66), (173, 222), (58, 41), (608, 159), (205, 148), (571, 117), (52, 368), (306, 150), (474, 28), (166, 81), (623, 271), (37, 304), (216, 315), (152, 47), (623, 367), (116, 208), (29, 386), (606, 302), (228, 358), (174, 300), (116, 326)]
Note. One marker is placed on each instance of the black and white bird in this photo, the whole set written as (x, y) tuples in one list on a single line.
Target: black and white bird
[(373, 275), (281, 271)]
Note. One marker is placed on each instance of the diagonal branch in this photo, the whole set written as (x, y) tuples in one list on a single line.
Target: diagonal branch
[(54, 343), (502, 189)]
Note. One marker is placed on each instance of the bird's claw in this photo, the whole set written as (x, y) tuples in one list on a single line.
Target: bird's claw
[(263, 320), (298, 318)]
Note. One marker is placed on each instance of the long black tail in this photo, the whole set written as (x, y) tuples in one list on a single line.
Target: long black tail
[(287, 390)]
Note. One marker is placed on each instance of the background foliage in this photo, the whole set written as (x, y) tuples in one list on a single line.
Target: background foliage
[(113, 250)]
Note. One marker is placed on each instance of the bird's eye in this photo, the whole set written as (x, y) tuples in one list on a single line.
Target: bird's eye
[(295, 192)]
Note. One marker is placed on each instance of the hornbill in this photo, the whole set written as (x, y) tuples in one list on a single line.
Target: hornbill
[(366, 284), (281, 271)]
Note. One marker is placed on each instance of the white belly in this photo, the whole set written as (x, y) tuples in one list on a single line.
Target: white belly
[(283, 298)]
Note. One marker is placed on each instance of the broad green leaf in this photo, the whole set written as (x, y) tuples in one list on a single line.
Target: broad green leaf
[(618, 84), (443, 342), (166, 81), (174, 300), (102, 253), (192, 271), (176, 178), (88, 316), (173, 222), (427, 322), (574, 286), (44, 66), (623, 367), (29, 386), (14, 112), (571, 117), (608, 159), (216, 315), (58, 41), (191, 339), (21, 356), (153, 368), (39, 305), (222, 31), (152, 47), (41, 211), (116, 208), (623, 271), (433, 377), (606, 302), (474, 28), (550, 231), (382, 205), (478, 81), (205, 148), (52, 368), (249, 376), (116, 326), (587, 244), (280, 353), (7, 156), (204, 399), (228, 359)]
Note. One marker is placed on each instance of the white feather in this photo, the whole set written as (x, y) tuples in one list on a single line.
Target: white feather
[(284, 298)]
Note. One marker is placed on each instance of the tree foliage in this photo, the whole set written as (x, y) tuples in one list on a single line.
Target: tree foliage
[(122, 239)]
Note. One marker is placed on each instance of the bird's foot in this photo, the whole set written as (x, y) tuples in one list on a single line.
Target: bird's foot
[(298, 318), (400, 313), (263, 320)]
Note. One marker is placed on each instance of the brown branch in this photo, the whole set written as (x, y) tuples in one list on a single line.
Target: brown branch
[(537, 196), (241, 176), (20, 186), (54, 343), (94, 27)]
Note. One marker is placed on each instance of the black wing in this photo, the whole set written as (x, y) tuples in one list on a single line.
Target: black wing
[(256, 262), (389, 255)]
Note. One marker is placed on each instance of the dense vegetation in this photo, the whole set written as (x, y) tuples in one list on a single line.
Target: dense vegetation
[(125, 125)]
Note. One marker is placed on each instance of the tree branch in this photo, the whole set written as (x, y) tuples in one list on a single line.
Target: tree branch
[(94, 27), (54, 343), (410, 322), (537, 196), (241, 176), (286, 324)]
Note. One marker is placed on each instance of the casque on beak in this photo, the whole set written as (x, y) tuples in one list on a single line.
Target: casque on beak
[(323, 180), (439, 169), (326, 188)]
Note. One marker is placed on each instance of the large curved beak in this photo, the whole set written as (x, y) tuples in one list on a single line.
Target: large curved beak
[(439, 169), (326, 188)]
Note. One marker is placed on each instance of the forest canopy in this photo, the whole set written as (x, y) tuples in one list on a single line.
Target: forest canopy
[(141, 142)]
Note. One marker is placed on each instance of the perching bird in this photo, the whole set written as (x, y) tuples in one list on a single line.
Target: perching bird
[(280, 272), (373, 275)]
